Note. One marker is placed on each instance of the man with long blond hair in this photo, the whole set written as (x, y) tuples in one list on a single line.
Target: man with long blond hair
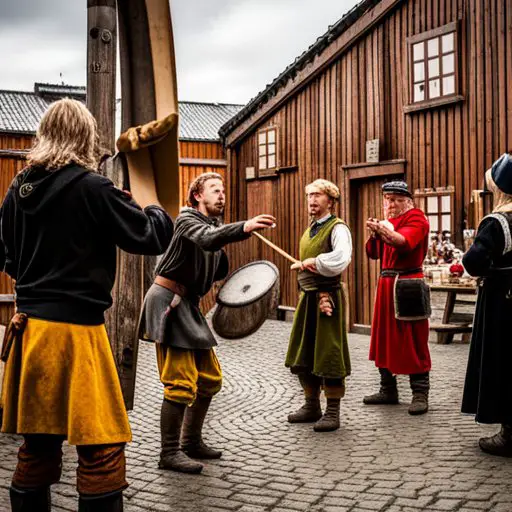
[(318, 349), (61, 223), (188, 366)]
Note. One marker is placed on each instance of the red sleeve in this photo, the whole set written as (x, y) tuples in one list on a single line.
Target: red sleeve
[(414, 230), (373, 248)]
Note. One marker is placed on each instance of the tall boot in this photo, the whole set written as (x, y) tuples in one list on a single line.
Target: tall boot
[(191, 436), (388, 393), (171, 457), (498, 444), (311, 410), (331, 419), (108, 502), (420, 385), (30, 500)]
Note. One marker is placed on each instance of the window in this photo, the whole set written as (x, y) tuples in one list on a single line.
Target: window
[(267, 151), (433, 58), (438, 206)]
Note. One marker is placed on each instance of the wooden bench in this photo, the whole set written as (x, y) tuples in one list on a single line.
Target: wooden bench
[(445, 332)]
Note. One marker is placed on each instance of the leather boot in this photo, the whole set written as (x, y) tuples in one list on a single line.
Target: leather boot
[(191, 436), (388, 393), (311, 410), (420, 385), (498, 444), (30, 500), (331, 419), (171, 457), (108, 502)]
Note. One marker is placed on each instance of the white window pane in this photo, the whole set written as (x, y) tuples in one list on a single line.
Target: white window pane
[(419, 71), (433, 47), (271, 149), (449, 85), (262, 138), (449, 64), (446, 204), (447, 224), (448, 42), (433, 68), (432, 204), (271, 136), (418, 51), (263, 162), (271, 161), (263, 150), (433, 221), (434, 88), (419, 92)]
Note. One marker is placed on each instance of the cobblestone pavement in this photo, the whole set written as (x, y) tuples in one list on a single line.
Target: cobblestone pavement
[(381, 459)]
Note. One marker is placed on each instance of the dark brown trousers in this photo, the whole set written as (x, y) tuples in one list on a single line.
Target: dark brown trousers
[(101, 468)]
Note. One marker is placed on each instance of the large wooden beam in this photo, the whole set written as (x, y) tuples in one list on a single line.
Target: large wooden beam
[(101, 67)]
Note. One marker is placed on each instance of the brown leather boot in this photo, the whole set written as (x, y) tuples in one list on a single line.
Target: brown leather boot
[(388, 393), (499, 444), (331, 419), (420, 385), (171, 457), (30, 500), (191, 436), (311, 410)]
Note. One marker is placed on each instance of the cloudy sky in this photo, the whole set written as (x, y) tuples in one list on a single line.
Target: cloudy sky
[(226, 50)]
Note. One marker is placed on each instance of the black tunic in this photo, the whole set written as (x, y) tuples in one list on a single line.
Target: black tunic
[(488, 386)]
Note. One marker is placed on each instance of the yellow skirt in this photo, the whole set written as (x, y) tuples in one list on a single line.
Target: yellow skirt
[(63, 380)]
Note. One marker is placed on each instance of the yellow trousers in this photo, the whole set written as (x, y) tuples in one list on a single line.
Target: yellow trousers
[(187, 373)]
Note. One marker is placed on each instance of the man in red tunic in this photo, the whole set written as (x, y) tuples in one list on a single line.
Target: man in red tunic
[(399, 346)]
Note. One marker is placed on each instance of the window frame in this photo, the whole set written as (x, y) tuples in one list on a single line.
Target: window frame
[(267, 171), (421, 197), (424, 37)]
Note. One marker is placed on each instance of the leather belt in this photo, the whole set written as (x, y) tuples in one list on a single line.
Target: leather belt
[(391, 272), (173, 286)]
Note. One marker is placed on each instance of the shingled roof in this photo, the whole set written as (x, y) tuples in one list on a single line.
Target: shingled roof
[(290, 72), (20, 112)]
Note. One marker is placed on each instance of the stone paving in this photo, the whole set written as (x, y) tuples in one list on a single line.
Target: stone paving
[(381, 459)]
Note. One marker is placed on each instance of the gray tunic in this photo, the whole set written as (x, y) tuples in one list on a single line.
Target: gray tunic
[(196, 260)]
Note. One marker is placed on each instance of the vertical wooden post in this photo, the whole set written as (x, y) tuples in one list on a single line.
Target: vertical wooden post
[(121, 318), (101, 67)]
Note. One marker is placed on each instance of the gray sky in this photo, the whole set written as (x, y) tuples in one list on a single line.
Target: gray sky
[(226, 50)]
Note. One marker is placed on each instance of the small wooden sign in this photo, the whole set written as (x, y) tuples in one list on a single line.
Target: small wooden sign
[(250, 173), (372, 150)]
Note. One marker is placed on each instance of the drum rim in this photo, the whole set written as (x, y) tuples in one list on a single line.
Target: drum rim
[(254, 299)]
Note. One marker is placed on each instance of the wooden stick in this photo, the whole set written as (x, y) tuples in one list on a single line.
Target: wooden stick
[(275, 247)]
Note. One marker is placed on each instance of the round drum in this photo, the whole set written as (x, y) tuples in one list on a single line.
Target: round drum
[(246, 299)]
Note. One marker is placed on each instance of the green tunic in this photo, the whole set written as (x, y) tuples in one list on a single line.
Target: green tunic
[(318, 343)]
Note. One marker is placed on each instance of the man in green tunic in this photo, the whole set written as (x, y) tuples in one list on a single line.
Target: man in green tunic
[(318, 349)]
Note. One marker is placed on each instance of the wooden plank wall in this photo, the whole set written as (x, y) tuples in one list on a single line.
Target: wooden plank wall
[(198, 150), (360, 97)]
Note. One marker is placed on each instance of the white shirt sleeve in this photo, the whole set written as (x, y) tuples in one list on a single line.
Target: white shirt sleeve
[(330, 264)]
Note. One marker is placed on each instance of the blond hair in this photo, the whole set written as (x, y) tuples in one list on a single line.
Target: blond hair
[(197, 186), (501, 202), (327, 187), (67, 133)]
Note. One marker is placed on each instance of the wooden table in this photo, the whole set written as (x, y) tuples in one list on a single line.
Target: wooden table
[(449, 328)]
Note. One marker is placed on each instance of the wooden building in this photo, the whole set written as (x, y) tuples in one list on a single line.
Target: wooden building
[(415, 89), (20, 112)]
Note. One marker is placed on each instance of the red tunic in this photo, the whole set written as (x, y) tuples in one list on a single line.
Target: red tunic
[(398, 345)]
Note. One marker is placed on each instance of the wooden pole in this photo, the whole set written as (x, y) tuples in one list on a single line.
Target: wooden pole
[(101, 67), (121, 318), (275, 247)]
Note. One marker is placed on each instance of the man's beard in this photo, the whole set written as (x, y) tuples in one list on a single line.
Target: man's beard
[(215, 209)]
